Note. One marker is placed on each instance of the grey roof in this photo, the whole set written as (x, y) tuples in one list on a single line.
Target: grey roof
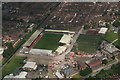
[(81, 64), (40, 51), (68, 71), (29, 65), (110, 48)]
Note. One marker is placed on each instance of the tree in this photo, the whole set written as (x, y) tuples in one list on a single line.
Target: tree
[(113, 57), (86, 71), (116, 23), (9, 51), (104, 61), (86, 26)]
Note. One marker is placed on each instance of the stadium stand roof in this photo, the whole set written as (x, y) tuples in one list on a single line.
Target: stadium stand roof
[(61, 49), (41, 51), (63, 31), (65, 39), (32, 38), (103, 30)]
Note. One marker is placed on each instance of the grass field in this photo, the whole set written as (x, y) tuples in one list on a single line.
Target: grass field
[(88, 43), (110, 36), (12, 65), (48, 41)]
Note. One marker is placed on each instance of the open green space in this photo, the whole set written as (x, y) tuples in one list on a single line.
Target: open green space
[(88, 43), (16, 62), (111, 36), (48, 41)]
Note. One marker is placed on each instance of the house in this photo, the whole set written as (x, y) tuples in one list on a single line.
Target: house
[(22, 75), (81, 65), (30, 66)]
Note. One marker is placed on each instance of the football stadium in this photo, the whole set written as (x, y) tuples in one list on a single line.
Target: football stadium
[(49, 41)]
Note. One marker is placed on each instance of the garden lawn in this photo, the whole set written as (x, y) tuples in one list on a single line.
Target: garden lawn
[(15, 62), (48, 41), (88, 43)]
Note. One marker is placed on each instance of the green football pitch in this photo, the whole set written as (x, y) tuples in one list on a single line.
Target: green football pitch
[(48, 41)]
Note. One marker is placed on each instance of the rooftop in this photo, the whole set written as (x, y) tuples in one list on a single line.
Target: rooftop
[(40, 51), (103, 30), (65, 39), (21, 75), (30, 65), (68, 71), (32, 38)]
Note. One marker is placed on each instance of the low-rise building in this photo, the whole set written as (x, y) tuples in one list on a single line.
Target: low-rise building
[(94, 63), (22, 74), (68, 72), (58, 74), (111, 48), (30, 66), (81, 65)]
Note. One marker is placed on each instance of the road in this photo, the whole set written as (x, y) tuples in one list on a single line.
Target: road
[(61, 57)]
